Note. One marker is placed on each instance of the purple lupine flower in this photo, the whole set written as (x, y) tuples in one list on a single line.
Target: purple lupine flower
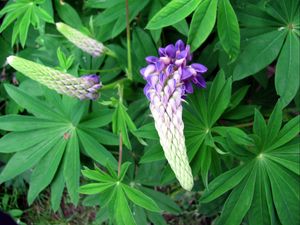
[(169, 79)]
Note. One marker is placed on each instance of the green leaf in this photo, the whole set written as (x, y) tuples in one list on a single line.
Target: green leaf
[(124, 168), (97, 175), (26, 123), (163, 201), (285, 191), (147, 131), (139, 198), (287, 69), (274, 123), (153, 153), (228, 29), (57, 188), (34, 105), (24, 26), (11, 141), (262, 209), (259, 126), (287, 133), (68, 14), (95, 150), (122, 212), (24, 160), (45, 171), (103, 136), (259, 53), (9, 18), (72, 167), (225, 182), (95, 188), (238, 202), (182, 27), (202, 24), (219, 98), (172, 13)]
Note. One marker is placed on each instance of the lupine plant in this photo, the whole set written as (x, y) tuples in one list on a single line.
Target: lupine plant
[(150, 112)]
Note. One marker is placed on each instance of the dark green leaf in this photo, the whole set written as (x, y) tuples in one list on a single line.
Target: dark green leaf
[(287, 69), (262, 50), (203, 22), (228, 29), (172, 13)]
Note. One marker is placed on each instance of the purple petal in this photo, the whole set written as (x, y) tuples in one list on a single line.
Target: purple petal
[(146, 91), (188, 87), (199, 81), (162, 77), (159, 66), (170, 51), (161, 52), (186, 73), (179, 45), (151, 59), (169, 70), (199, 67), (91, 78)]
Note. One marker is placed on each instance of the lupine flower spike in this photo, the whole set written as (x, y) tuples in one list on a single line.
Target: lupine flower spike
[(85, 87), (169, 78), (82, 41)]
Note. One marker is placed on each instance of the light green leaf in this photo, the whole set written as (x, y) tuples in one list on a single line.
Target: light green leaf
[(24, 26), (24, 160), (57, 188), (172, 13), (259, 53), (97, 175), (203, 22), (288, 69), (95, 188), (139, 198), (45, 170), (95, 150), (72, 167), (228, 29), (123, 214), (32, 104), (26, 123), (19, 141)]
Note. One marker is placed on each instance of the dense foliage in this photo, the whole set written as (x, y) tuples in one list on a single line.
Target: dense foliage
[(103, 154)]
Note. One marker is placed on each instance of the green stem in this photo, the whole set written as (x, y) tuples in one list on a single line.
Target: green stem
[(99, 71), (120, 154), (114, 84), (129, 69)]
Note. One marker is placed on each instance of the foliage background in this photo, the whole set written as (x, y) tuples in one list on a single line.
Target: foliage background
[(241, 131)]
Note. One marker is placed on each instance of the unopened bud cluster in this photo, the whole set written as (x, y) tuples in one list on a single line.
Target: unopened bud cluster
[(85, 87), (81, 40)]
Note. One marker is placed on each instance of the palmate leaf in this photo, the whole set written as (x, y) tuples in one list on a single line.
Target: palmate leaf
[(116, 194), (24, 13), (50, 142), (201, 114), (271, 32), (269, 187)]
